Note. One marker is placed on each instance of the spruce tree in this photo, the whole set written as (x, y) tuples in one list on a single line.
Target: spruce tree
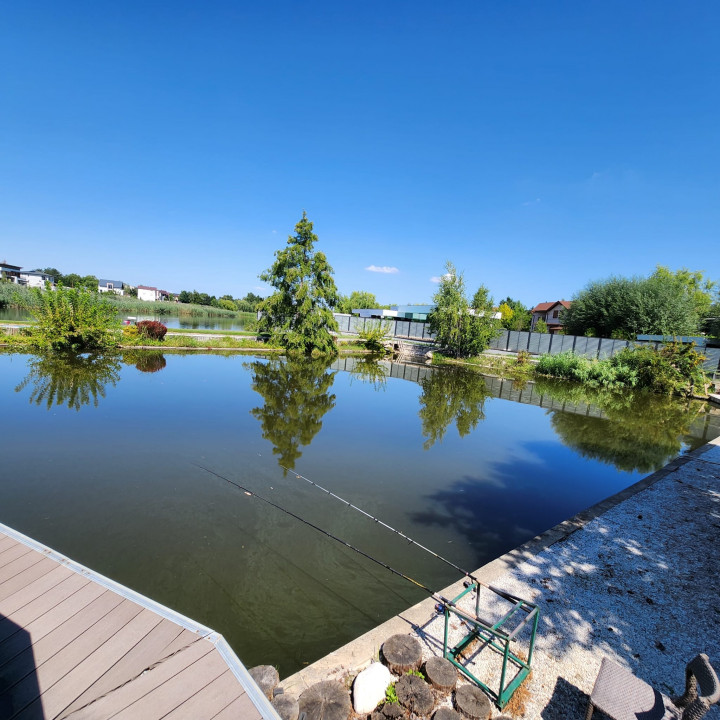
[(299, 312)]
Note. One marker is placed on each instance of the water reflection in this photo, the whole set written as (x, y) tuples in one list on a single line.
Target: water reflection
[(58, 379), (632, 431), (297, 397), (371, 372), (451, 395), (149, 361)]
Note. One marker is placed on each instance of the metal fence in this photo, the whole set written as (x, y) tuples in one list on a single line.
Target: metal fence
[(515, 341)]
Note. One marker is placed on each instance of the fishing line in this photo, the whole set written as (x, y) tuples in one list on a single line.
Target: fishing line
[(347, 503), (435, 595)]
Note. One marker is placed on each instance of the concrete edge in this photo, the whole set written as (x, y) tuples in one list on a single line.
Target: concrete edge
[(359, 653)]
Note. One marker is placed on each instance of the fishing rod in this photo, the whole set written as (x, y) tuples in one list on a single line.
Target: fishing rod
[(434, 594), (388, 527)]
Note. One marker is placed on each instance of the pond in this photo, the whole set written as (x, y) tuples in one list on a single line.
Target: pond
[(104, 462), (187, 322)]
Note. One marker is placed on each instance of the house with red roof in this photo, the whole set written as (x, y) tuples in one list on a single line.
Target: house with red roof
[(551, 313)]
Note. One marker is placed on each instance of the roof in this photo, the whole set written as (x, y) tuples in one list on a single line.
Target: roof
[(544, 307), (103, 281), (35, 272), (146, 287), (6, 266)]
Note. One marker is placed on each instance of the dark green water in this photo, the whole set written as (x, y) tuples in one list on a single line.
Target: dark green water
[(101, 463)]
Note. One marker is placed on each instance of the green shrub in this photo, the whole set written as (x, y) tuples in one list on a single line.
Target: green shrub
[(375, 336)]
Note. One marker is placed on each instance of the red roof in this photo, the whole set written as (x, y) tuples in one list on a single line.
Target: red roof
[(145, 287), (544, 307)]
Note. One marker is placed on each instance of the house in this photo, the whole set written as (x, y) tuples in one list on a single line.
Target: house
[(151, 294), (550, 313), (11, 273), (35, 278), (114, 286)]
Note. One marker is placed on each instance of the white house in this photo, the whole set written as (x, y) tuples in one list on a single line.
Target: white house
[(114, 286), (151, 294), (11, 273), (35, 278)]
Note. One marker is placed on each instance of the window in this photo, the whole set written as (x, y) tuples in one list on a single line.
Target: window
[(555, 313)]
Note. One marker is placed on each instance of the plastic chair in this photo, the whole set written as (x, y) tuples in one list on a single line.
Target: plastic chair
[(622, 696)]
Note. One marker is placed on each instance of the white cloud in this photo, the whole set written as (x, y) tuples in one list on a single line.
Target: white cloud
[(382, 269), (439, 278)]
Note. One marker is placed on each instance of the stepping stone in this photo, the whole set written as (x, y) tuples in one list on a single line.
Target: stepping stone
[(402, 653), (266, 676), (445, 713), (389, 711), (472, 702), (441, 674), (415, 695), (327, 700), (286, 707)]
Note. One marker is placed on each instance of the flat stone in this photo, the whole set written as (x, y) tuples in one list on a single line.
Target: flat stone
[(369, 688), (286, 707), (415, 694), (267, 677), (402, 653), (441, 674), (472, 702), (327, 700)]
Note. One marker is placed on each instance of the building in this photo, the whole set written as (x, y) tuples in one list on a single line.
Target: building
[(10, 272), (151, 294), (114, 286), (550, 313)]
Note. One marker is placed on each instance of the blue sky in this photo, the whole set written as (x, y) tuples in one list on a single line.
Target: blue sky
[(536, 145)]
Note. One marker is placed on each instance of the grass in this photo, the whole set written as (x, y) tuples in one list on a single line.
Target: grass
[(198, 331), (133, 306), (503, 365)]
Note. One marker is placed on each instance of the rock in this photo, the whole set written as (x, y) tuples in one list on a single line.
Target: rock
[(390, 711), (472, 702), (402, 653), (415, 695), (266, 676), (327, 700), (445, 713), (441, 674), (369, 688), (286, 707)]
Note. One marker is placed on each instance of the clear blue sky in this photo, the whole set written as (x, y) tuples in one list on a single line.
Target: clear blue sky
[(537, 145)]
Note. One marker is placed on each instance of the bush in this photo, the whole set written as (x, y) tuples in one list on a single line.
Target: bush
[(375, 336), (151, 329)]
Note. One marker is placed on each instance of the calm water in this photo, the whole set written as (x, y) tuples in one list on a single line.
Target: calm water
[(208, 323), (101, 462)]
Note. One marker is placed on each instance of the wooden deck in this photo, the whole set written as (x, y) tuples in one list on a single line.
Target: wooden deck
[(74, 644)]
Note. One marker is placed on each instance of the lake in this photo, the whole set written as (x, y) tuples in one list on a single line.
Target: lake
[(103, 461)]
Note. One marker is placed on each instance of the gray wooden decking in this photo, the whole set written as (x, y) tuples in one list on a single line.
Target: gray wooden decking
[(74, 644)]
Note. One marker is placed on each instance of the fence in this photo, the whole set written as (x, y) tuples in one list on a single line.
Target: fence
[(515, 340)]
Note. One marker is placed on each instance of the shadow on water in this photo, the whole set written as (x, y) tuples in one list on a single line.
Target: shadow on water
[(149, 361), (19, 687), (296, 394), (57, 379)]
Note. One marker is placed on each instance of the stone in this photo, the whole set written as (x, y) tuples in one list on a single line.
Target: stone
[(267, 678), (446, 713), (402, 653), (392, 711), (286, 707), (415, 695), (472, 702), (441, 674), (369, 688), (327, 700)]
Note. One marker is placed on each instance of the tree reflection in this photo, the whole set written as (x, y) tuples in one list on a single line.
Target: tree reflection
[(368, 370), (145, 360), (68, 379), (451, 395), (637, 431), (296, 400)]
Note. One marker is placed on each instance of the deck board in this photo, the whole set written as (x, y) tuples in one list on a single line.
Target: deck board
[(76, 645)]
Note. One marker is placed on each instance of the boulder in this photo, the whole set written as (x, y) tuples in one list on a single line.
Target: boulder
[(369, 688)]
